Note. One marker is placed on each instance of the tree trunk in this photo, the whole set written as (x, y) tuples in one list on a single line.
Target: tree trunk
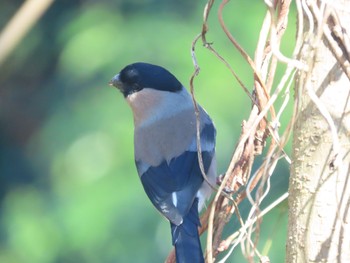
[(319, 215)]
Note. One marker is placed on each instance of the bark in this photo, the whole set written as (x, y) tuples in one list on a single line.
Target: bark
[(319, 217)]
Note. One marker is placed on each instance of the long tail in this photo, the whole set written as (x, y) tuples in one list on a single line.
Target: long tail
[(186, 238)]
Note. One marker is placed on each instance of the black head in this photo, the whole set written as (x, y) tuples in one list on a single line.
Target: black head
[(138, 76)]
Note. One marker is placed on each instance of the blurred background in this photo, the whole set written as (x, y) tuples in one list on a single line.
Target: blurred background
[(69, 191)]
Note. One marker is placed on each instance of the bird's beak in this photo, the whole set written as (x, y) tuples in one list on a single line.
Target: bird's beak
[(115, 81)]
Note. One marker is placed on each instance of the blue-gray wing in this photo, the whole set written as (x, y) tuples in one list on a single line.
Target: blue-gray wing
[(172, 185)]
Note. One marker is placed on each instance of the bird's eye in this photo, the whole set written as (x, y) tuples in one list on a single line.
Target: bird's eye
[(131, 76)]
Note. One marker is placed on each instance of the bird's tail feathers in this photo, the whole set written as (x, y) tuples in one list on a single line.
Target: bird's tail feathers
[(186, 238)]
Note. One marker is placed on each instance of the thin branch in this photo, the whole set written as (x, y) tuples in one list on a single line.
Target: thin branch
[(24, 19), (234, 239), (338, 52)]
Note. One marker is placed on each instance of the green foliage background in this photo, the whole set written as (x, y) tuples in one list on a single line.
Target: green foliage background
[(69, 189)]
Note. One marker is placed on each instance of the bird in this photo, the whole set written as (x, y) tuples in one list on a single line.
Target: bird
[(165, 150)]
